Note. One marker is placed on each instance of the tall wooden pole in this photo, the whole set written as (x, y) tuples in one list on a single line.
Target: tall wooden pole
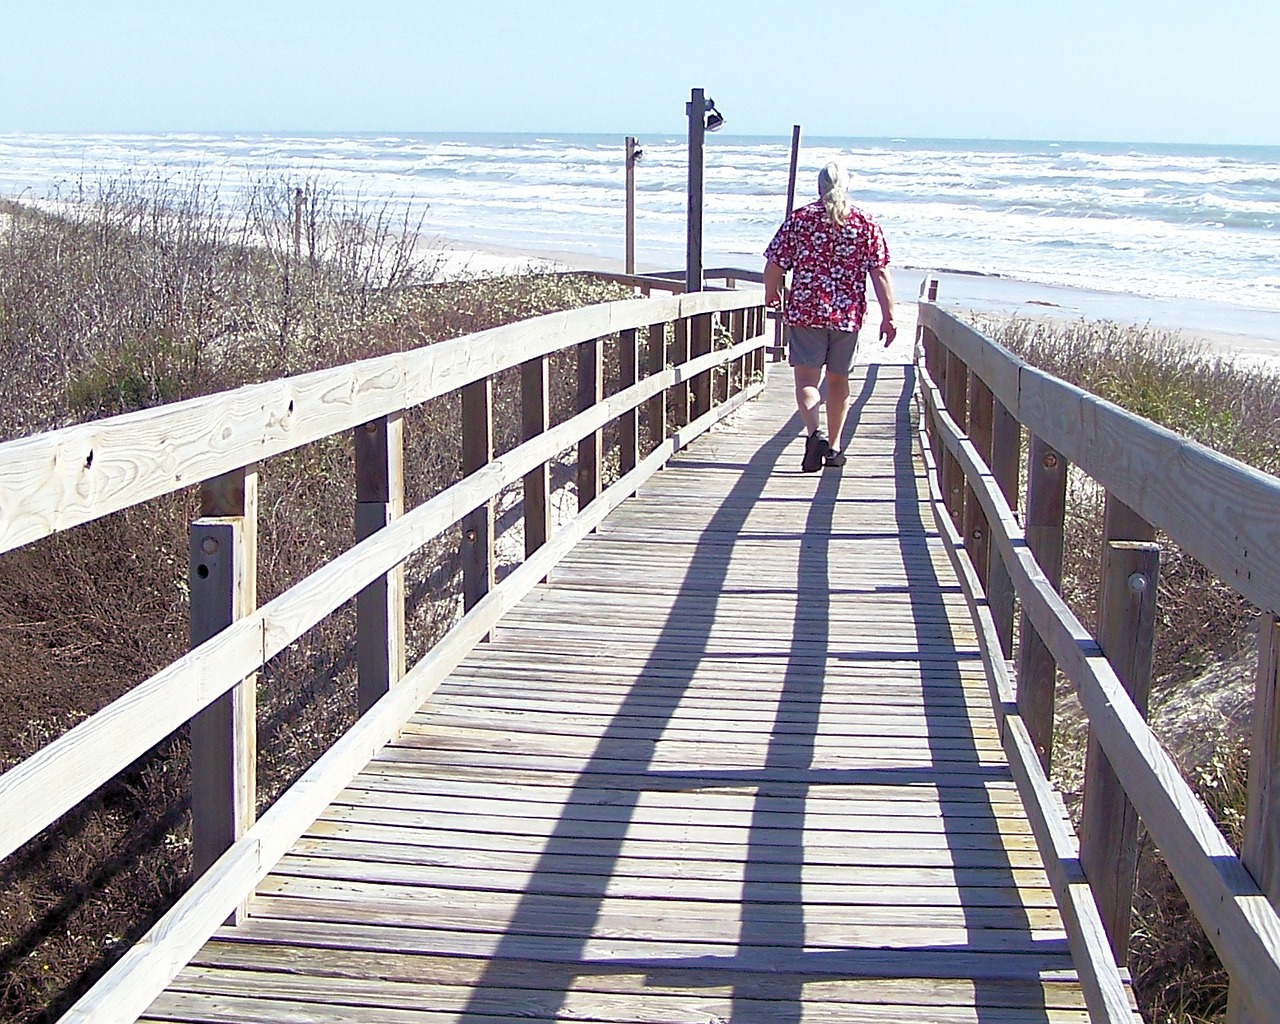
[(631, 205), (697, 110), (791, 176), (778, 347)]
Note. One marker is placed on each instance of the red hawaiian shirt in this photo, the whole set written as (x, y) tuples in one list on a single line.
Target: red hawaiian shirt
[(829, 266)]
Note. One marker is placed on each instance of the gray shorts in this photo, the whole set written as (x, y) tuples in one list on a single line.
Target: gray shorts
[(822, 346)]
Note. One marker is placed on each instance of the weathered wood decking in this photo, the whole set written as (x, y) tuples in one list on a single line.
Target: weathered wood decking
[(736, 761)]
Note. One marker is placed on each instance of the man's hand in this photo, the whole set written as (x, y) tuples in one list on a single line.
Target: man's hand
[(883, 285)]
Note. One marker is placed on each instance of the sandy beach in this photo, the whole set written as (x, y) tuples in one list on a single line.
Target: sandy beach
[(1249, 336)]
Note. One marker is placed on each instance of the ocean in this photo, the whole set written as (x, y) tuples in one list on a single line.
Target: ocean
[(1193, 229)]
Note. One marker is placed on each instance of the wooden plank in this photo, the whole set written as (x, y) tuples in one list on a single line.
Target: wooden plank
[(656, 408), (1046, 509), (629, 421), (1005, 463), (590, 474), (1178, 486), (380, 630), (700, 345), (976, 531), (1260, 852), (224, 734), (535, 418), (426, 969), (477, 524), (1109, 825)]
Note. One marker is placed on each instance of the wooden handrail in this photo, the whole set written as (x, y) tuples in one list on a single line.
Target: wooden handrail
[(1219, 511), (57, 480), (115, 463), (41, 788), (65, 478), (132, 984)]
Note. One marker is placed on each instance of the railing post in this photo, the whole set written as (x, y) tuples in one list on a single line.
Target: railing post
[(1261, 848), (1006, 467), (1046, 507), (700, 345), (678, 413), (477, 525), (724, 375), (936, 368), (956, 395), (629, 421), (1108, 823), (656, 412), (380, 638), (737, 335), (535, 401), (977, 539), (223, 587), (590, 393)]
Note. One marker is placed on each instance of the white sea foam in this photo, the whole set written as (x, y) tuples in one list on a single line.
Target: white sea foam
[(1160, 221)]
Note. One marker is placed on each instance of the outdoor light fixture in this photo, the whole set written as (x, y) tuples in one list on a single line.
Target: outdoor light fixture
[(714, 118)]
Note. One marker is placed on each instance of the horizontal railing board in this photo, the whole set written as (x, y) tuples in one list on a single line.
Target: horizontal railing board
[(1222, 512), (60, 775), (998, 367), (1237, 917), (136, 979), (57, 480)]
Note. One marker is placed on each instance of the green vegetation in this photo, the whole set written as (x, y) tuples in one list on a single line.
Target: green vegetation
[(141, 292), (1206, 634)]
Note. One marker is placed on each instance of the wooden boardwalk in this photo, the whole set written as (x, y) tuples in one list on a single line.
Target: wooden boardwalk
[(735, 762)]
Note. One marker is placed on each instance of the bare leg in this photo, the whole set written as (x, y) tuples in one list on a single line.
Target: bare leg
[(808, 397), (837, 407)]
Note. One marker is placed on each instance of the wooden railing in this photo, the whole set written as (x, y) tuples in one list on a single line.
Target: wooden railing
[(59, 480), (673, 281), (977, 397)]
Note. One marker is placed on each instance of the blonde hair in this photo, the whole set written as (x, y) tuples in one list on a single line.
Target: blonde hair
[(833, 187)]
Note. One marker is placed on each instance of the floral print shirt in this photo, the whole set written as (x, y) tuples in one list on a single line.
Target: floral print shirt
[(829, 266)]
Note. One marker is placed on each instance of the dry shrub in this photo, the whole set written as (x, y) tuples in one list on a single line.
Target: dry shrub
[(1205, 630), (131, 293)]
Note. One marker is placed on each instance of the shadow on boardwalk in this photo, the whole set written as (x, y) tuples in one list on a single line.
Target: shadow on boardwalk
[(773, 962)]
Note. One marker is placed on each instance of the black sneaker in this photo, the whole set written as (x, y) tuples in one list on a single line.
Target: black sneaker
[(815, 450), (834, 458)]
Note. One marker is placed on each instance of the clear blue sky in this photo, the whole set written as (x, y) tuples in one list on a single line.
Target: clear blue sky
[(1124, 70)]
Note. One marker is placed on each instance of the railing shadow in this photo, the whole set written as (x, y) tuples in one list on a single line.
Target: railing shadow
[(980, 876), (632, 736), (775, 956)]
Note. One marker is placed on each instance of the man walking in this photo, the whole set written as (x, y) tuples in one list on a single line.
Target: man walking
[(831, 247)]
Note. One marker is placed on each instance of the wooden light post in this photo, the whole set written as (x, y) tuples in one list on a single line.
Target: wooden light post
[(634, 152)]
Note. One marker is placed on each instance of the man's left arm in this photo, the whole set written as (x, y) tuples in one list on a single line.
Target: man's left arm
[(774, 276), (883, 286)]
